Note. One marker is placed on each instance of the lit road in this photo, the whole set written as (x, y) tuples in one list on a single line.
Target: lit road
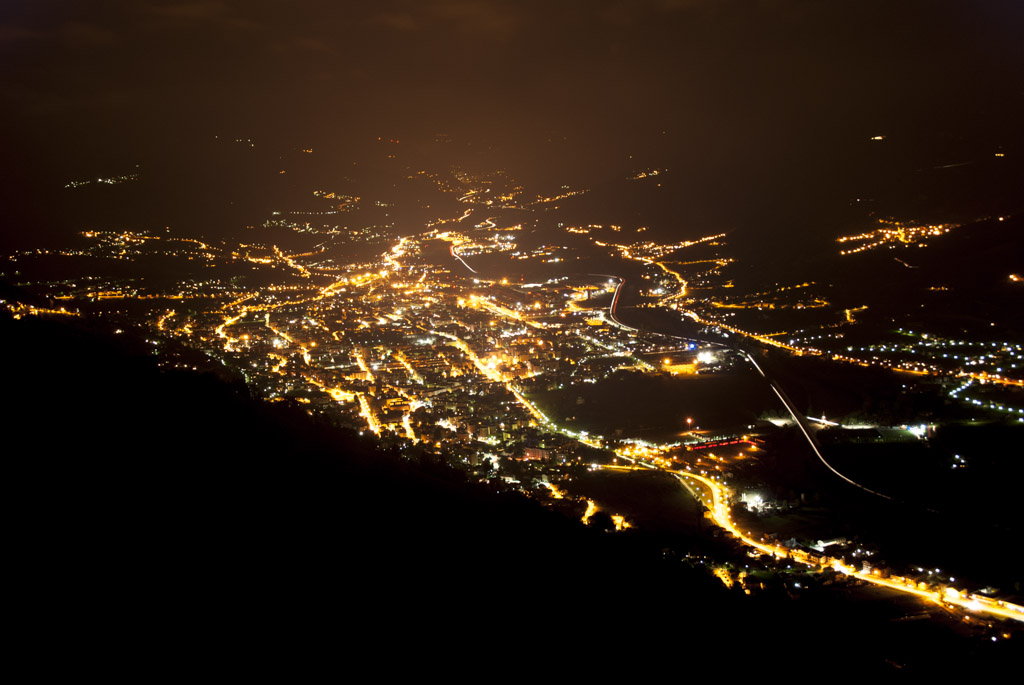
[(615, 301), (801, 421), (715, 497), (490, 373), (296, 316), (456, 255)]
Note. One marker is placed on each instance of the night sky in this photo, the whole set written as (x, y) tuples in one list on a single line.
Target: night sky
[(769, 97)]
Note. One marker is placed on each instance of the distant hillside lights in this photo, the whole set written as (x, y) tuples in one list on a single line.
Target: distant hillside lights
[(108, 180), (893, 233)]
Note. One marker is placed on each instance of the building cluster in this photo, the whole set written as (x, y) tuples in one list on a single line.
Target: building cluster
[(416, 346), (893, 233)]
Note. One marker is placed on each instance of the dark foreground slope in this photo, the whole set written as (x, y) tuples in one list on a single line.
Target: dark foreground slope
[(159, 520)]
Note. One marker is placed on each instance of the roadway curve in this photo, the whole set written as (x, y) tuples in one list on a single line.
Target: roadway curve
[(615, 302), (456, 255), (717, 502), (804, 426)]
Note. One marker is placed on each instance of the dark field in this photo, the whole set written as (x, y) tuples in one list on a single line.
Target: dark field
[(634, 405), (650, 500)]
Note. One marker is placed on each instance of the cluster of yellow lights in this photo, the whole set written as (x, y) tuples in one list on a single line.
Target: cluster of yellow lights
[(848, 313), (648, 173), (675, 369), (755, 336), (591, 510), (707, 488), (921, 369), (561, 196), (19, 310), (816, 303), (894, 232), (715, 496), (367, 413)]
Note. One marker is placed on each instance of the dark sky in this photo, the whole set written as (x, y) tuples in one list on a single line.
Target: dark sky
[(136, 69), (93, 87)]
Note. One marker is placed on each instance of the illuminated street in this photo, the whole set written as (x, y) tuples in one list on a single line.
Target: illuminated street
[(468, 303)]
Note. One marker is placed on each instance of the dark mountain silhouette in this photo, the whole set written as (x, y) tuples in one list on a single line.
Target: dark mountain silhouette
[(152, 508)]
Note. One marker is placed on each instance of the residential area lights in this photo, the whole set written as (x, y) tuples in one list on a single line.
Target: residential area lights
[(716, 497), (409, 351), (893, 233)]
